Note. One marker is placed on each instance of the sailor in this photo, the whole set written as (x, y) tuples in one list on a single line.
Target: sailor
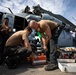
[(17, 47), (47, 28)]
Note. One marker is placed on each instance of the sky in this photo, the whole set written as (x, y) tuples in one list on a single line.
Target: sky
[(66, 8)]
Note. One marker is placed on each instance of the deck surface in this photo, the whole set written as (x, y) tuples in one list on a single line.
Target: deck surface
[(28, 69)]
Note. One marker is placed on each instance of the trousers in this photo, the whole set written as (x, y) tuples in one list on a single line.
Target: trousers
[(51, 53), (16, 51)]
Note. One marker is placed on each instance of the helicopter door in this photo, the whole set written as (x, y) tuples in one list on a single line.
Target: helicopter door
[(1, 15), (20, 23)]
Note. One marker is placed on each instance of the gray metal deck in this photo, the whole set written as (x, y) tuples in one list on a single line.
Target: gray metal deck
[(27, 69)]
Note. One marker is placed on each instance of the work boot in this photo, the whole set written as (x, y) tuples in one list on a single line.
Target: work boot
[(51, 67), (52, 56), (10, 63)]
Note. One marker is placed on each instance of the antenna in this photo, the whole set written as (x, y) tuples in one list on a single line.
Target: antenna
[(8, 8)]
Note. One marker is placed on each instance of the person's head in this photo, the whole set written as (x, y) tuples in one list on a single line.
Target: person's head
[(29, 30), (6, 20), (34, 25)]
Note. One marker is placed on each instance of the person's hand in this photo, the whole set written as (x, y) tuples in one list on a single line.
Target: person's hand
[(29, 49), (44, 47)]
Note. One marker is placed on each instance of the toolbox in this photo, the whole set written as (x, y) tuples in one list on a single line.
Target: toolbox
[(67, 65), (38, 59), (67, 59)]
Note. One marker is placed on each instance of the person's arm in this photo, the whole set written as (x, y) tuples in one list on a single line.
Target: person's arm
[(3, 30), (26, 41), (46, 37), (9, 29), (27, 44), (44, 42)]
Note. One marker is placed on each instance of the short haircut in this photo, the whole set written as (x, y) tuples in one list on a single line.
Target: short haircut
[(6, 18), (29, 28)]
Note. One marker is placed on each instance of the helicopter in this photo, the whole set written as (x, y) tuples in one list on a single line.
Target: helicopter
[(20, 20)]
